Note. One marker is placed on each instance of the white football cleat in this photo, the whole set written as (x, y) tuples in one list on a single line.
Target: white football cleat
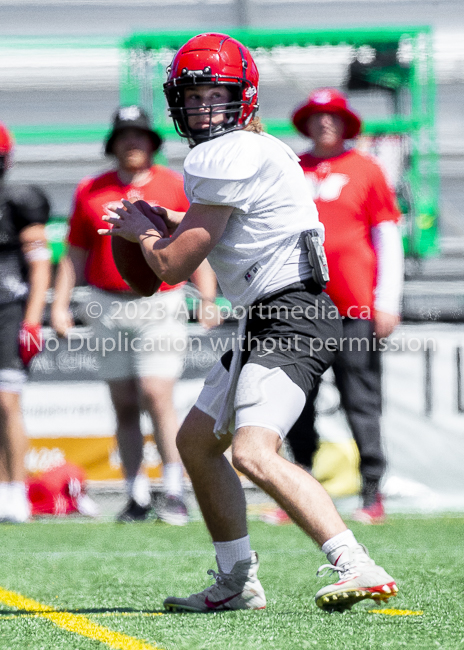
[(359, 578), (239, 589)]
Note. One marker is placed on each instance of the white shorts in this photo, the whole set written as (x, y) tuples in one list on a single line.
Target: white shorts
[(265, 398), (138, 337)]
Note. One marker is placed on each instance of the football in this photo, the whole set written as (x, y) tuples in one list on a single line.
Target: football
[(130, 261)]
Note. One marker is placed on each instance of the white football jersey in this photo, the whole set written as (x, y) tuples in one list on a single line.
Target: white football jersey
[(260, 177)]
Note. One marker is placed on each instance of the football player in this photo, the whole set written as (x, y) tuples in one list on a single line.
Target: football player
[(24, 280), (252, 215)]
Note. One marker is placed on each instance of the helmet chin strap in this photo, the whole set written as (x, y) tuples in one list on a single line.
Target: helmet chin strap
[(202, 135)]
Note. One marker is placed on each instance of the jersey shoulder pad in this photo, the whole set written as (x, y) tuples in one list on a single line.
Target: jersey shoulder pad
[(278, 143), (234, 157), (31, 202)]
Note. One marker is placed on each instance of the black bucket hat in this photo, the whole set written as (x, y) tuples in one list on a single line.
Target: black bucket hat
[(131, 117)]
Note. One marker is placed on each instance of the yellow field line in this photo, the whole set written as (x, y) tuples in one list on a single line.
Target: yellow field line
[(10, 617), (395, 612), (75, 623)]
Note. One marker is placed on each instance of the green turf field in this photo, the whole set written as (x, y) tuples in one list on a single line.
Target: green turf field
[(73, 585)]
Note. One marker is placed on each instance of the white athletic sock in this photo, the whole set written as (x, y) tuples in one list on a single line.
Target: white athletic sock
[(228, 553), (173, 476), (19, 505), (342, 539), (19, 488), (4, 500), (138, 488)]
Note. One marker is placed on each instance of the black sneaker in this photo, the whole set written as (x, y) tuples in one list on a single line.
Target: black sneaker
[(172, 510), (133, 512)]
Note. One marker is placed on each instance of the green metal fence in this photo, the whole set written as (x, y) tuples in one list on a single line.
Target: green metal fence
[(411, 84)]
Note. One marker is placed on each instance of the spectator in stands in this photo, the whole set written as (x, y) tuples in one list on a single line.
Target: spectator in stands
[(365, 258), (155, 325), (24, 280)]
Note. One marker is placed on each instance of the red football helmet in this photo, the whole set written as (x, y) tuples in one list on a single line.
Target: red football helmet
[(6, 148), (6, 140), (214, 59)]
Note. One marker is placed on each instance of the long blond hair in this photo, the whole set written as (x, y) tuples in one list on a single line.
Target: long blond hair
[(255, 126)]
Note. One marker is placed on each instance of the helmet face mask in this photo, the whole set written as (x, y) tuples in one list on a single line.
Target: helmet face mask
[(212, 60), (216, 117), (3, 165)]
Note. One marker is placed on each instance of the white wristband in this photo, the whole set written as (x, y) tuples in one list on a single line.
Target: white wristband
[(37, 254)]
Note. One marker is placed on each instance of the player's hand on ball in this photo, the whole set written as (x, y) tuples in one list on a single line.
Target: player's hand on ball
[(133, 221), (170, 217), (155, 217)]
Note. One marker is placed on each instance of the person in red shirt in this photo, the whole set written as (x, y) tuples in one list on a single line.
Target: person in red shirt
[(146, 336), (365, 259)]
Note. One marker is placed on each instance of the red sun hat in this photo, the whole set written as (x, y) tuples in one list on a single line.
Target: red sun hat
[(327, 100), (6, 140)]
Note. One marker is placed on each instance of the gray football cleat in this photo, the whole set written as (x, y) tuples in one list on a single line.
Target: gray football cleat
[(239, 589)]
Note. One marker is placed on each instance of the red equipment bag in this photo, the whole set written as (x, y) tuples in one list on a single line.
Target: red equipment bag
[(60, 491)]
